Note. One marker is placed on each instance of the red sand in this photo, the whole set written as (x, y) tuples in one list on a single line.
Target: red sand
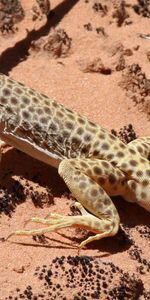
[(101, 98)]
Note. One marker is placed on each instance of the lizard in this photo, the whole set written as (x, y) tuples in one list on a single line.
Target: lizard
[(94, 163)]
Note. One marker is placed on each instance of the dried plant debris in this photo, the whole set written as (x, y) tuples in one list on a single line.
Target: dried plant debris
[(88, 26), (17, 194), (43, 8), (10, 199), (135, 253), (125, 134), (144, 264), (93, 65), (100, 8), (36, 14), (56, 44), (114, 59), (121, 63), (11, 12), (116, 48), (117, 53), (128, 52), (99, 30), (120, 12), (142, 8), (83, 277), (135, 82), (144, 231), (117, 9)]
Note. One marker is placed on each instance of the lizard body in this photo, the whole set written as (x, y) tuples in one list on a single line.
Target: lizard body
[(93, 163)]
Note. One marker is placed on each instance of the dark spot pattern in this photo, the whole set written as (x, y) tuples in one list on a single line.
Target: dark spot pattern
[(148, 173), (35, 100), (53, 127), (44, 96), (112, 137), (145, 182), (132, 151), (83, 164), (87, 138), (9, 110), (70, 116), (107, 201), (59, 113), (139, 173), (18, 91), (133, 185), (69, 125), (6, 92), (92, 124), (10, 81), (47, 102), (140, 149), (95, 153), (66, 134), (76, 141), (101, 191), (25, 100), (121, 145), (112, 179), (31, 109), (81, 121), (124, 165), (40, 111), (101, 136), (44, 120), (105, 146), (110, 156), (97, 170), (25, 114), (142, 160), (69, 110), (101, 180), (14, 100), (143, 195), (55, 104), (3, 100), (105, 164), (80, 131), (94, 192), (120, 154), (82, 185), (133, 163), (31, 92)]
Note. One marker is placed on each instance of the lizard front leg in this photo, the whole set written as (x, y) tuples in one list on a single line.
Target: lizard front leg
[(85, 179), (138, 183)]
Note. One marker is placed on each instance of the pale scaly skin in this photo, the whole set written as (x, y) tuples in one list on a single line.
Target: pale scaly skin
[(93, 163)]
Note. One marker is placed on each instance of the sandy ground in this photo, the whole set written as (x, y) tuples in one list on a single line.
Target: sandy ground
[(100, 66)]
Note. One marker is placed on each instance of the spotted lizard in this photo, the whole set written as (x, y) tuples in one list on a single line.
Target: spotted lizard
[(94, 163)]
